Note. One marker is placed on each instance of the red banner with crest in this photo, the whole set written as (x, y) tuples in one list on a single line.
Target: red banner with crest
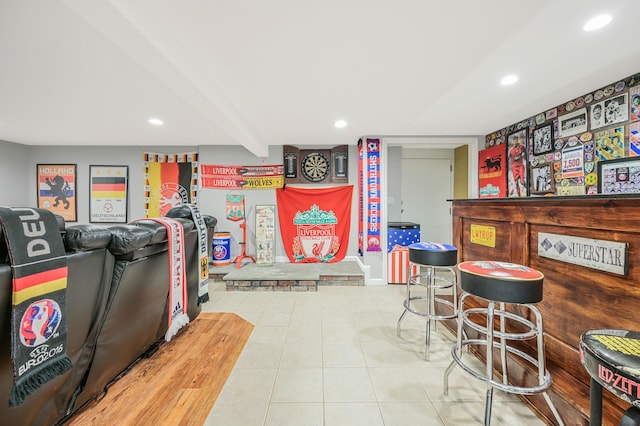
[(315, 223)]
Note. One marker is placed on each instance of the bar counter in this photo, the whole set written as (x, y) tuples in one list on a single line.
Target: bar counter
[(596, 285)]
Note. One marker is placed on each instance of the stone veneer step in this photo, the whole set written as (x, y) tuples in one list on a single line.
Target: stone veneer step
[(288, 277)]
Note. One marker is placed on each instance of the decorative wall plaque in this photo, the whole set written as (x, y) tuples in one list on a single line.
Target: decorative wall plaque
[(609, 256)]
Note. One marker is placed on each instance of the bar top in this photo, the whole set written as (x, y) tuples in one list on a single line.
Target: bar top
[(599, 197)]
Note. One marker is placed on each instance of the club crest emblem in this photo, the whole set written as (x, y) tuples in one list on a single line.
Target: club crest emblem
[(316, 235)]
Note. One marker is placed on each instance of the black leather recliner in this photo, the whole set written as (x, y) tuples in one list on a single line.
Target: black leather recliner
[(90, 268), (117, 310)]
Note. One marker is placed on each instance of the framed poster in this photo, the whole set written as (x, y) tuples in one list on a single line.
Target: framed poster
[(572, 165), (517, 158), (573, 123), (543, 139), (609, 112), (108, 194), (609, 144), (492, 172), (265, 235), (619, 176), (57, 189), (634, 106), (542, 180)]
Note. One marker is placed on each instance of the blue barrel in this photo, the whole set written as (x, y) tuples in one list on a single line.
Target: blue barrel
[(221, 248)]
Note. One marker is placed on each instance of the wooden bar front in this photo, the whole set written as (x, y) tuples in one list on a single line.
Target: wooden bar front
[(576, 298)]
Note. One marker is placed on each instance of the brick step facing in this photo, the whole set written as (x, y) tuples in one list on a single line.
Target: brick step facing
[(293, 285), (308, 279)]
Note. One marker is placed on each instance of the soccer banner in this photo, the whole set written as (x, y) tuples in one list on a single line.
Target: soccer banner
[(242, 177), (315, 223), (492, 172), (373, 194), (360, 198), (211, 169), (170, 180), (242, 182)]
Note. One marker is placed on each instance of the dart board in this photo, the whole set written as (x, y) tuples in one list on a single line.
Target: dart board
[(315, 166)]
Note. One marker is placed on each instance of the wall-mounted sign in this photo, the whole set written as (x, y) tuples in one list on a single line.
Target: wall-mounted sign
[(483, 235), (609, 256)]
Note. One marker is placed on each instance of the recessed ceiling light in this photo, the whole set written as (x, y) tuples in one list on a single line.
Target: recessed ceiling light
[(156, 121), (509, 80), (597, 22), (340, 124)]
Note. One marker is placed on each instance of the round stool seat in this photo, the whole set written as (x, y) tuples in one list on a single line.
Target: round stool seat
[(501, 281), (612, 358), (434, 254)]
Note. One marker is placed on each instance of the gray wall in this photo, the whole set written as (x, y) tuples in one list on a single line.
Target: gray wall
[(14, 175), (18, 164)]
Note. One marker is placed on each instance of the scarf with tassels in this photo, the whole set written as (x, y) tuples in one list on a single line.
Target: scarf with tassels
[(38, 316), (178, 301), (203, 254)]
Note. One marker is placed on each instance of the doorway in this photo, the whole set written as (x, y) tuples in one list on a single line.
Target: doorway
[(427, 184)]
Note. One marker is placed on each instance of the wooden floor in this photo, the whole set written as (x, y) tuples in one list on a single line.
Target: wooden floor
[(179, 384)]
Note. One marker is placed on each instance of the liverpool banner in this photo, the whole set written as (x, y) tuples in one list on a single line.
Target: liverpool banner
[(242, 177), (315, 222), (170, 180)]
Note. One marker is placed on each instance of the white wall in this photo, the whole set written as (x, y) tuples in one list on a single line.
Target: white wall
[(394, 184)]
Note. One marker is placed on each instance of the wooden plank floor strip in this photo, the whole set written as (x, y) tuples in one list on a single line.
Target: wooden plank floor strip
[(180, 383)]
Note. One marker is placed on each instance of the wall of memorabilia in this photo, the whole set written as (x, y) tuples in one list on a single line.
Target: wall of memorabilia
[(588, 145)]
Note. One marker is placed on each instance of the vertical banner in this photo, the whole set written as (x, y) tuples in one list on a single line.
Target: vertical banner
[(315, 223), (517, 160), (360, 197), (492, 172), (108, 194), (57, 189), (170, 180), (265, 235), (373, 194)]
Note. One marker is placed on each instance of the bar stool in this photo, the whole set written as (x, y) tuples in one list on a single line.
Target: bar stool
[(612, 359), (501, 283), (427, 259)]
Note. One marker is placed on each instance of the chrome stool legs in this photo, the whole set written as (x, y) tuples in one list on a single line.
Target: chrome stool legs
[(499, 339), (432, 283)]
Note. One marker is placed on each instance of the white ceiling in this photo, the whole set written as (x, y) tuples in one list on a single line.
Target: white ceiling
[(259, 73)]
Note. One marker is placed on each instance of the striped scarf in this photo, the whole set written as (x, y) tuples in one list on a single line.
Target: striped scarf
[(38, 316)]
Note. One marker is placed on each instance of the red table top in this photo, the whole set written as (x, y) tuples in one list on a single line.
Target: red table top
[(502, 270)]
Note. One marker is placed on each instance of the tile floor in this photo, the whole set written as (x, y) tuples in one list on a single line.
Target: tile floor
[(332, 357)]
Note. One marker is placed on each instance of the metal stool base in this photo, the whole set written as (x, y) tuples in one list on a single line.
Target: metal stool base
[(499, 338), (432, 282)]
